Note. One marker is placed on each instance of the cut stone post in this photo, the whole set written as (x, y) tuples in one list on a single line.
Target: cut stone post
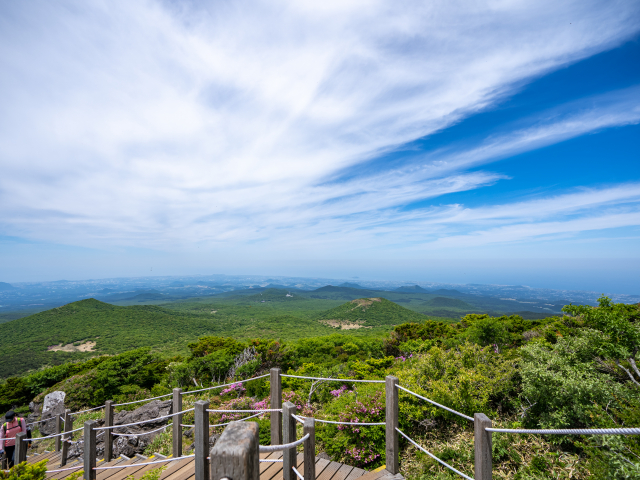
[(276, 402), (482, 446), (177, 420), (236, 453), (108, 437), (90, 450), (201, 439), (392, 444), (309, 427), (289, 456)]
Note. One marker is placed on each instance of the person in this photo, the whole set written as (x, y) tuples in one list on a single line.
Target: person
[(8, 432)]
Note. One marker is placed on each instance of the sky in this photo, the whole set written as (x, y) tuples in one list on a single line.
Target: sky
[(485, 142)]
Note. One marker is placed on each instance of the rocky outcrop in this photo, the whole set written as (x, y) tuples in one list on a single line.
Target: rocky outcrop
[(127, 445), (52, 407)]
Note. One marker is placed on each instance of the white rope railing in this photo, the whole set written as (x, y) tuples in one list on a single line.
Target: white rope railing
[(223, 424), (435, 403), (301, 420), (333, 379), (48, 436), (225, 385), (88, 410), (131, 465), (434, 457), (265, 410), (143, 433), (142, 400), (297, 472), (570, 431), (271, 460), (145, 421), (65, 469), (277, 448)]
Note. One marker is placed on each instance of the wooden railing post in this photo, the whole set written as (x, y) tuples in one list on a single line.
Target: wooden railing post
[(21, 448), (201, 439), (482, 446), (58, 427), (289, 456), (90, 450), (177, 420), (392, 444), (309, 449), (276, 402), (108, 437), (68, 426), (236, 453)]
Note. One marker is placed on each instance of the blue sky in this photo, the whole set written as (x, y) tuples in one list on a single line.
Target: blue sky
[(496, 142)]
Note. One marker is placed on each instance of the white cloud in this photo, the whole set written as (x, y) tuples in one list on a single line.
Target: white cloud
[(148, 124)]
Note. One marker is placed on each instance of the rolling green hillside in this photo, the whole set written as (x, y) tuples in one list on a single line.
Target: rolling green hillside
[(444, 302), (371, 312)]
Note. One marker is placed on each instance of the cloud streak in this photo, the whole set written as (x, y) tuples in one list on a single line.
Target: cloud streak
[(152, 124)]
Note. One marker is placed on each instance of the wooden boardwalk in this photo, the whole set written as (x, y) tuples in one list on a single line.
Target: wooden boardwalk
[(184, 469)]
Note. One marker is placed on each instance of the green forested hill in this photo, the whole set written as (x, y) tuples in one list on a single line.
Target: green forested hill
[(372, 312), (444, 302), (24, 342)]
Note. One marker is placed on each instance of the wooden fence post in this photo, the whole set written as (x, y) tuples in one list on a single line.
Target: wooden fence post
[(482, 446), (276, 402), (392, 445), (108, 437), (177, 420), (58, 440), (236, 453), (201, 439), (68, 426), (89, 450), (289, 456), (20, 453), (309, 449)]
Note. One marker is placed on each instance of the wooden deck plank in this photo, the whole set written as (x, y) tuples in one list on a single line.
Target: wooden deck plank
[(40, 457), (321, 464), (373, 475), (329, 471), (121, 473), (108, 474), (343, 472), (185, 472), (174, 467), (356, 473)]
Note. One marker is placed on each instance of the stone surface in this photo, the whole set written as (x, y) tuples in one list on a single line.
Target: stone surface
[(130, 446), (52, 407)]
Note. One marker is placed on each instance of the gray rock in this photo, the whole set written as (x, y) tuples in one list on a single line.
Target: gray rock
[(125, 445), (53, 406)]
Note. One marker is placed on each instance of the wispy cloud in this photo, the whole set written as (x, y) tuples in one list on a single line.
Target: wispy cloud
[(154, 124)]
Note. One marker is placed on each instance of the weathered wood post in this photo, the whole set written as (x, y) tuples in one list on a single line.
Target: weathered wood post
[(309, 427), (235, 454), (108, 437), (289, 456), (276, 402), (482, 447), (21, 448), (90, 450), (177, 420), (392, 448), (68, 426), (58, 439), (201, 439)]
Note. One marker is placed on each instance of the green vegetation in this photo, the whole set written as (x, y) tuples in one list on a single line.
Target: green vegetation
[(372, 312), (575, 371)]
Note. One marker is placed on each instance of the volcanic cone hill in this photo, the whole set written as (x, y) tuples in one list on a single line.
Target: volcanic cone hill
[(369, 312)]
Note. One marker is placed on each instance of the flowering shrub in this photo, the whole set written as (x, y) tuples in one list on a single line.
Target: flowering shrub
[(300, 402), (358, 445), (340, 391), (236, 388)]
